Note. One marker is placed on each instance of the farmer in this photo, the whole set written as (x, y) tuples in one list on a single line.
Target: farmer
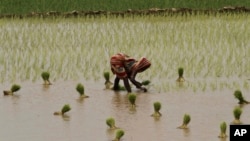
[(126, 68)]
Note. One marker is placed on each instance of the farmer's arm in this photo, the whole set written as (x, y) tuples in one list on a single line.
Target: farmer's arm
[(136, 83)]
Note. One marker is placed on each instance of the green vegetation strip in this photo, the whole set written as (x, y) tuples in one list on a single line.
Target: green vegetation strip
[(42, 6), (130, 12)]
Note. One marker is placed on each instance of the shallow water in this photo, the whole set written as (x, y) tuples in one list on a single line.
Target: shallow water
[(28, 115)]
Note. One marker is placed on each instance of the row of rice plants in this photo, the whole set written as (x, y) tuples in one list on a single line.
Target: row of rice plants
[(212, 50)]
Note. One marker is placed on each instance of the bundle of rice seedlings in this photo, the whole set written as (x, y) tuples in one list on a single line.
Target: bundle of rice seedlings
[(111, 123), (223, 129), (120, 88), (45, 76), (186, 120), (80, 90), (180, 72), (14, 88), (237, 113), (64, 109), (157, 107), (145, 82), (132, 99), (107, 83), (119, 134), (239, 96)]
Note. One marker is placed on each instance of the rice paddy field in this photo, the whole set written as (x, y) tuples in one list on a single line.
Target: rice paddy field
[(213, 50)]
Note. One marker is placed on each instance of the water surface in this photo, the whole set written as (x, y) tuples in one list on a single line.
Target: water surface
[(28, 115)]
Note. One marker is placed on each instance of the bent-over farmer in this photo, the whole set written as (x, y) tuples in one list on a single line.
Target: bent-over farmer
[(126, 68)]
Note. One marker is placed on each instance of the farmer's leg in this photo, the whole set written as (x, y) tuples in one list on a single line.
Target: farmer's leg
[(126, 84), (116, 83)]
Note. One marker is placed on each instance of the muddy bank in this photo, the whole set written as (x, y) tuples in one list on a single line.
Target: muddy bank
[(130, 12)]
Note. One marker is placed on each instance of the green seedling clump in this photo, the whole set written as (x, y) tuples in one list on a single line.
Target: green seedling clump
[(239, 96), (157, 107), (132, 99), (111, 123), (64, 109), (120, 88), (237, 113), (14, 88), (119, 135), (223, 129), (145, 82), (180, 73), (80, 90), (107, 83), (45, 76), (186, 120)]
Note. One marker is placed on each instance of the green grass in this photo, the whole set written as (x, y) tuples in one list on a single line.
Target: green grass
[(212, 49), (27, 6)]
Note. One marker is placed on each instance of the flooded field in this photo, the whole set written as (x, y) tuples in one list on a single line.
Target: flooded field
[(213, 50), (28, 115)]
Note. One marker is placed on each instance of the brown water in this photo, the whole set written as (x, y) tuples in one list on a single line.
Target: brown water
[(28, 115)]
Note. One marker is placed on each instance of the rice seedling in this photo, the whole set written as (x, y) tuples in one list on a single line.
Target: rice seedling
[(120, 88), (239, 96), (80, 90), (180, 73), (132, 99), (145, 82), (186, 120), (65, 108), (118, 135), (14, 88), (107, 83), (111, 123), (45, 76), (237, 113), (223, 129), (157, 107)]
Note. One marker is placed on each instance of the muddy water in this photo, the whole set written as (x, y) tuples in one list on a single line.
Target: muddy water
[(28, 115)]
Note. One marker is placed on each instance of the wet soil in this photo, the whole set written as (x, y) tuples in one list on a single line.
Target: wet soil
[(28, 114)]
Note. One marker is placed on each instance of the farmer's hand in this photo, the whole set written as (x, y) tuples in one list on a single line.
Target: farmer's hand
[(144, 89)]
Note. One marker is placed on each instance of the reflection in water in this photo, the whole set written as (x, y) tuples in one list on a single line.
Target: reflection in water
[(223, 139), (156, 118), (186, 132), (110, 132), (45, 87), (132, 109), (80, 100), (66, 117)]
